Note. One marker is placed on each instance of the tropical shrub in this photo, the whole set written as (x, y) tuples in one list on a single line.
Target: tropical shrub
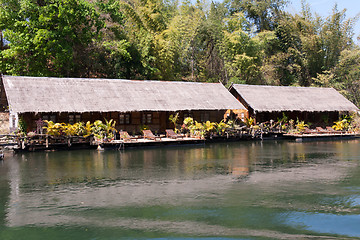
[(341, 125), (174, 119), (22, 126), (54, 129), (98, 129), (301, 125), (87, 129), (249, 121), (221, 127)]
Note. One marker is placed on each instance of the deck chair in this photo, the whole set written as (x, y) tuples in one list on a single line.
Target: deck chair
[(171, 134), (149, 135), (124, 135), (331, 130), (321, 130), (309, 131)]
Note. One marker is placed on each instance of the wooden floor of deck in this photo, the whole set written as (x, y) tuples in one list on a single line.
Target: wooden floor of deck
[(147, 142), (319, 136)]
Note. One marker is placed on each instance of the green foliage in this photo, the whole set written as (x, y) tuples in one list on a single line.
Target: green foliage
[(174, 119), (342, 124), (301, 125), (188, 121), (103, 130), (283, 119), (54, 129), (144, 127), (47, 38), (99, 129), (87, 129), (221, 127), (249, 121), (22, 126)]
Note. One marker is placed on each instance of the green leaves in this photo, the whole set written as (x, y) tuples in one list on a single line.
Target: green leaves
[(44, 39)]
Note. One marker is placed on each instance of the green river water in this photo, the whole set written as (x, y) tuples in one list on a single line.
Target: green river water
[(238, 190)]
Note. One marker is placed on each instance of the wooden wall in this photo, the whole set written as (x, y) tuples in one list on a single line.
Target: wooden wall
[(159, 120)]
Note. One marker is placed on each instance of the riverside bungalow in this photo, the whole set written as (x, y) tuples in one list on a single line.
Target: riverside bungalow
[(131, 103), (319, 106)]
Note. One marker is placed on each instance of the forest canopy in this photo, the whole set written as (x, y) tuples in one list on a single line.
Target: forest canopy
[(239, 41)]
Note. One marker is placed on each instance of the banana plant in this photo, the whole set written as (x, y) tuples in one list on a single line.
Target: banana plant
[(110, 128)]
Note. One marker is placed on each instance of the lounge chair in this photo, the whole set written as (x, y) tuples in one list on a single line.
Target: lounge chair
[(171, 134), (124, 135), (309, 131), (331, 130), (321, 130), (149, 135)]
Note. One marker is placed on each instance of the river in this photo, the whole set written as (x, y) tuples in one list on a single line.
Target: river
[(238, 190)]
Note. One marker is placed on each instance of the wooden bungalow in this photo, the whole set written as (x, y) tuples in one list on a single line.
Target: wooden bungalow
[(131, 103), (319, 106)]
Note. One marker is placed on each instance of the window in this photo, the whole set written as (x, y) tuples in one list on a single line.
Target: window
[(71, 118), (51, 117), (124, 118), (146, 118), (127, 119), (78, 118)]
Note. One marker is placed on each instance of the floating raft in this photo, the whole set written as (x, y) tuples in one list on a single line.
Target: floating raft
[(320, 136)]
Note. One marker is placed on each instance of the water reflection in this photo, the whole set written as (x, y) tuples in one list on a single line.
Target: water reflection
[(255, 189)]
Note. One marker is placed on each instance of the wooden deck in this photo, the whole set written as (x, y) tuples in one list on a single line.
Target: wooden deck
[(319, 136), (141, 142), (46, 143)]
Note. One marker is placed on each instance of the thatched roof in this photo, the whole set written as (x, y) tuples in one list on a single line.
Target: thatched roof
[(40, 94), (281, 98)]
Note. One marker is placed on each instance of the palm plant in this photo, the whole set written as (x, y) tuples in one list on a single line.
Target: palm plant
[(110, 128)]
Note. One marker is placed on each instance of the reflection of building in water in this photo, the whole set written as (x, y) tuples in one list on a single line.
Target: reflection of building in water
[(240, 166)]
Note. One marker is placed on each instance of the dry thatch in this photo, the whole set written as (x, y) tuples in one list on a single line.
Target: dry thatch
[(40, 94), (281, 98)]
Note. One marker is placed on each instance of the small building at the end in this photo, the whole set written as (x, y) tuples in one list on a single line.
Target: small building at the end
[(318, 106)]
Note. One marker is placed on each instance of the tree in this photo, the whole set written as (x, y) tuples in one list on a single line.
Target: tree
[(264, 14), (345, 76), (48, 38), (241, 52)]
